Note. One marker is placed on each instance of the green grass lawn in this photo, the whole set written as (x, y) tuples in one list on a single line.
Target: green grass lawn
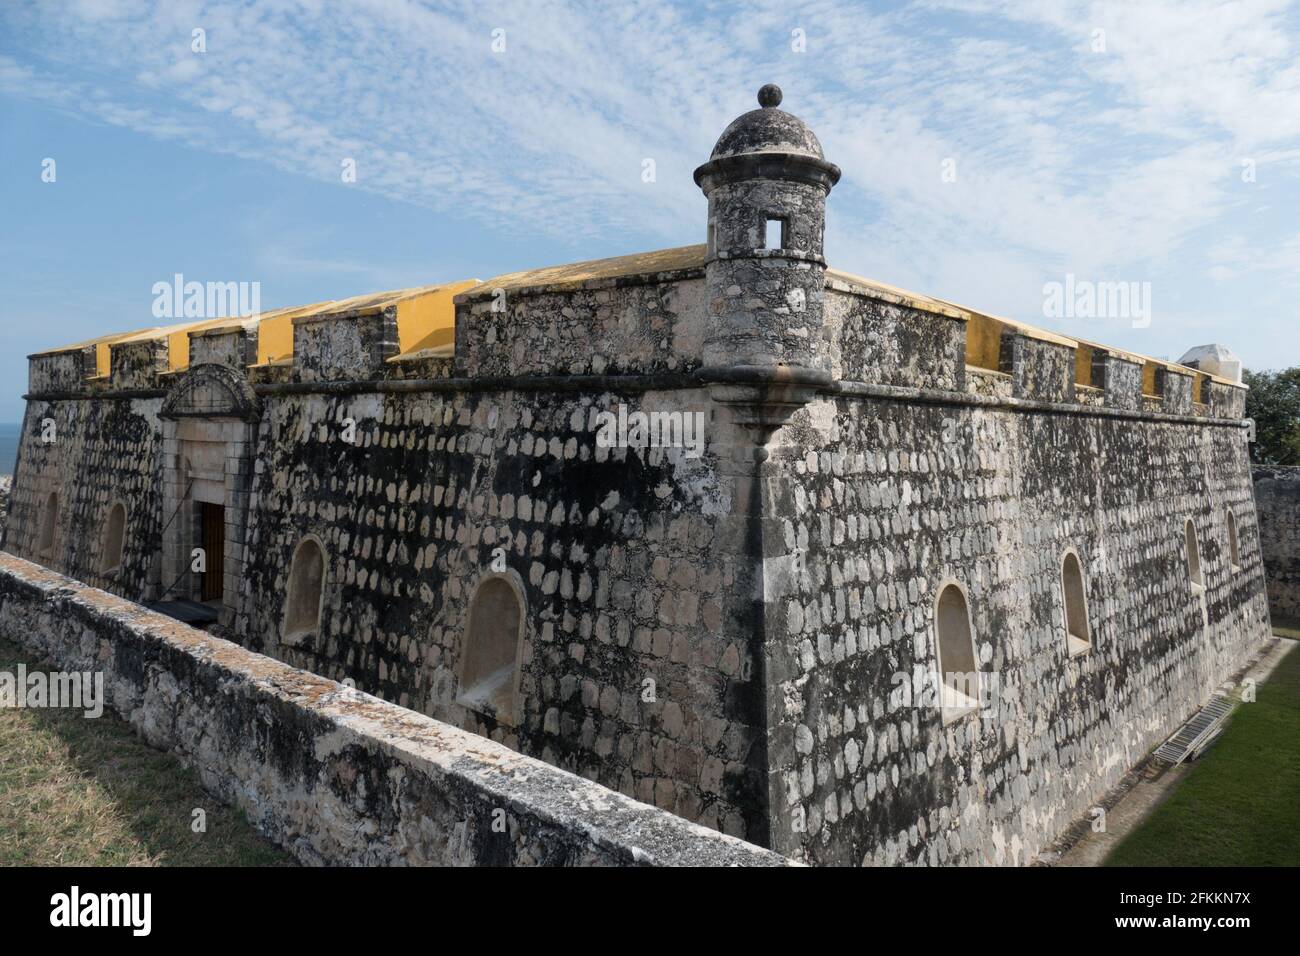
[(1240, 803), (89, 792)]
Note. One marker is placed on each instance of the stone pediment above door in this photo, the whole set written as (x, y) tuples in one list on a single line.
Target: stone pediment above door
[(212, 391)]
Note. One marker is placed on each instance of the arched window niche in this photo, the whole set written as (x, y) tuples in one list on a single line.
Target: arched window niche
[(490, 653), (955, 646), (305, 599), (114, 536), (49, 526), (1193, 552), (1074, 602), (1195, 573), (1234, 553)]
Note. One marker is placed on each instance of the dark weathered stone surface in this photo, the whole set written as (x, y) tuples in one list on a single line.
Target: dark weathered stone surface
[(333, 775), (101, 452), (625, 558), (1277, 494), (344, 346), (1040, 370), (881, 502), (771, 588)]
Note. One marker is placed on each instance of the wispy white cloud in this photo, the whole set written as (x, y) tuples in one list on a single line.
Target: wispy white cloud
[(1123, 160)]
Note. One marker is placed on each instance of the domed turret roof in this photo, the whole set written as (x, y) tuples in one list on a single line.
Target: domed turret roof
[(767, 130)]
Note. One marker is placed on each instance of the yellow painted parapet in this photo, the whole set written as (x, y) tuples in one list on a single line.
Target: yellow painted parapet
[(428, 320), (573, 275), (426, 317), (177, 337), (426, 324), (274, 330), (101, 345), (888, 293), (984, 343), (178, 342)]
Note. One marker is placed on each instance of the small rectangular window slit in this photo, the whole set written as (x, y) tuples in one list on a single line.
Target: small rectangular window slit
[(774, 234)]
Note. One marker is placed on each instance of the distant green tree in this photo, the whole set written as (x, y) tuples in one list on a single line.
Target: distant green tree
[(1274, 402)]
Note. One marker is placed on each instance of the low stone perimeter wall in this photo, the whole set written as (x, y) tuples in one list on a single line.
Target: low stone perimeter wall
[(333, 775), (1277, 497)]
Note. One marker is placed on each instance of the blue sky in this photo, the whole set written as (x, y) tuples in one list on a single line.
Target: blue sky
[(1103, 140)]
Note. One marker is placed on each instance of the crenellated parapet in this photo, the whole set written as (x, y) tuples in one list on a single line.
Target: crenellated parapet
[(358, 338), (235, 346), (754, 314), (640, 314), (63, 371), (351, 345), (375, 336), (878, 335), (137, 362)]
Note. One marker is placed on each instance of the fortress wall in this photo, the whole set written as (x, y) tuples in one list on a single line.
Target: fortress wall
[(1178, 394), (632, 565), (870, 340), (1123, 388), (234, 347), (138, 364), (607, 327), (61, 371), (1042, 371), (333, 775), (1226, 401), (102, 452), (875, 504), (342, 347), (652, 566), (1277, 496)]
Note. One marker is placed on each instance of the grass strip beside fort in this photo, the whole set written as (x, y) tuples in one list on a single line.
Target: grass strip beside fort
[(88, 792), (1240, 803)]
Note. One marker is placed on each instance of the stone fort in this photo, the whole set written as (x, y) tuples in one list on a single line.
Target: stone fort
[(925, 585)]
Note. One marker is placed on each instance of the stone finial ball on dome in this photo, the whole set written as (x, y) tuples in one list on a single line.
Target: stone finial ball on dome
[(769, 131)]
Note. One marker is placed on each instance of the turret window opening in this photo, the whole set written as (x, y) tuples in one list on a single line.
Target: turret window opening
[(774, 233)]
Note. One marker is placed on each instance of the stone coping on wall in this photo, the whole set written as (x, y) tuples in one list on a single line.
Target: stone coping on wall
[(334, 775), (423, 325), (669, 381)]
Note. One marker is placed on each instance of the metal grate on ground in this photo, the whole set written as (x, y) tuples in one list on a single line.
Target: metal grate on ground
[(1192, 736)]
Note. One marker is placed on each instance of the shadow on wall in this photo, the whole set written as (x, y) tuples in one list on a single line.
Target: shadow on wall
[(1277, 498)]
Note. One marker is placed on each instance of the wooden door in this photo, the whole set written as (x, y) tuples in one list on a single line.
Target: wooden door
[(214, 551)]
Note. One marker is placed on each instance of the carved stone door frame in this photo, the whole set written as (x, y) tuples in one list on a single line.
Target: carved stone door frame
[(209, 426)]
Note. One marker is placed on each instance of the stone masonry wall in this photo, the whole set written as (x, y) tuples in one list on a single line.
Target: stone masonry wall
[(606, 329), (627, 559), (870, 340), (333, 775), (1041, 370), (875, 504), (718, 635), (1277, 495), (100, 452)]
